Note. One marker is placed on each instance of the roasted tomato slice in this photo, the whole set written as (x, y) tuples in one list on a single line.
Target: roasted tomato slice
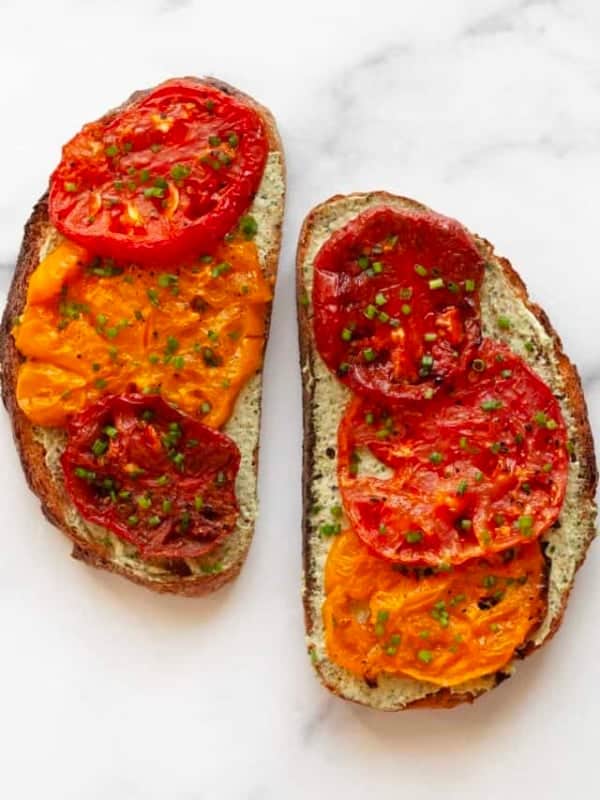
[(479, 468), (396, 302), (445, 628), (166, 175), (155, 477)]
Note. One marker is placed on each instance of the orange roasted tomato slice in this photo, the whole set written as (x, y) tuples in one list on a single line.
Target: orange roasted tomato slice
[(153, 476), (479, 468), (396, 302), (445, 628), (92, 326), (165, 176)]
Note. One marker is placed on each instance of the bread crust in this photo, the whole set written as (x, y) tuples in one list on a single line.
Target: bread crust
[(54, 504), (443, 698)]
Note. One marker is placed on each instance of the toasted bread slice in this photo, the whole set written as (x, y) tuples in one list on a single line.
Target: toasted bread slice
[(531, 336), (40, 448)]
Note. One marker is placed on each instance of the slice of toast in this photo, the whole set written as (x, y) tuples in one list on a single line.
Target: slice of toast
[(40, 448), (530, 336)]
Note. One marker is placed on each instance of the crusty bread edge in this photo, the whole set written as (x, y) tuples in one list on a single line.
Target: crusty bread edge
[(31, 451), (444, 697)]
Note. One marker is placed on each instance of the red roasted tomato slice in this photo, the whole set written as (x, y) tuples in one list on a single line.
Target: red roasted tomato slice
[(479, 468), (165, 176), (155, 477), (396, 302)]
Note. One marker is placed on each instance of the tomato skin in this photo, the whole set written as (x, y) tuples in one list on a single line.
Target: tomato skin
[(478, 469), (159, 479), (145, 183), (396, 302)]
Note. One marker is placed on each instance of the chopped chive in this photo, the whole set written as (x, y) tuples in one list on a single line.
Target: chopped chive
[(85, 474), (469, 285), (220, 269), (436, 457), (380, 299), (165, 280), (248, 226), (503, 323), (179, 172), (330, 529), (436, 283), (413, 537), (524, 524), (143, 501), (154, 191), (425, 656), (491, 405), (420, 270), (369, 354)]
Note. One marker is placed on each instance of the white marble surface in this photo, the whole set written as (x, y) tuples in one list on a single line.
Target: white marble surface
[(488, 110)]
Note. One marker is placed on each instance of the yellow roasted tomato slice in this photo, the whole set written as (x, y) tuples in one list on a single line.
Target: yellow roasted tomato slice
[(193, 333), (445, 628)]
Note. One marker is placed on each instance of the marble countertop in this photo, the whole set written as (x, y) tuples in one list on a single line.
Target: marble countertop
[(487, 110)]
